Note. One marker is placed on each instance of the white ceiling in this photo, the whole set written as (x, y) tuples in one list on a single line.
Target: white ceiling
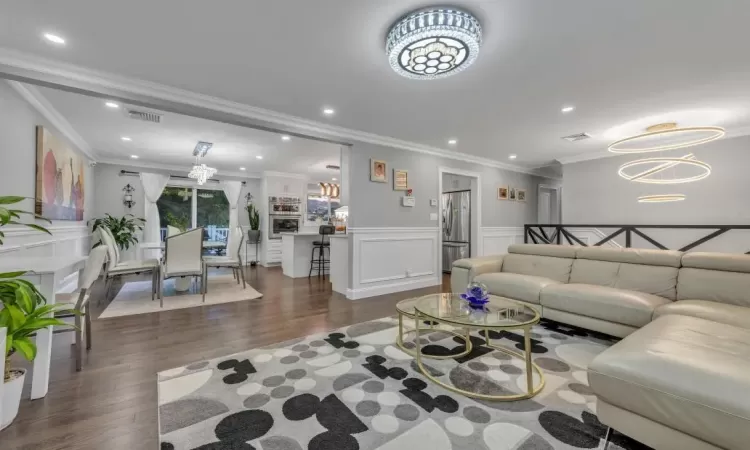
[(616, 61), (171, 142)]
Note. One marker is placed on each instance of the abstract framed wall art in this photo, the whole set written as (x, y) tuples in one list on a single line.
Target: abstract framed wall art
[(502, 193), (521, 195), (60, 178)]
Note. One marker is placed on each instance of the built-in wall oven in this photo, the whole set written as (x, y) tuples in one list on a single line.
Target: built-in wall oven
[(285, 223)]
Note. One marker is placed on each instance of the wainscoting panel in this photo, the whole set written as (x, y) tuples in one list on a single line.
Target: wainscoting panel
[(496, 240), (387, 260)]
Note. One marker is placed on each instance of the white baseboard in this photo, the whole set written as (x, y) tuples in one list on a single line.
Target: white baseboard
[(390, 288)]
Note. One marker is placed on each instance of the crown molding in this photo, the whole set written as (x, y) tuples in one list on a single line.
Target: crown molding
[(21, 65), (173, 170), (39, 102)]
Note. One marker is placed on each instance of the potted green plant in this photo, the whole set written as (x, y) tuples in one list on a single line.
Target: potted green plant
[(24, 312), (23, 317), (124, 228), (253, 234)]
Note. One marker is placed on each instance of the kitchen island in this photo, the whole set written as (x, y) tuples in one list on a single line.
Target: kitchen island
[(296, 251)]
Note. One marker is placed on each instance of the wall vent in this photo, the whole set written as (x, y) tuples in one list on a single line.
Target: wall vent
[(145, 116), (332, 167), (577, 137)]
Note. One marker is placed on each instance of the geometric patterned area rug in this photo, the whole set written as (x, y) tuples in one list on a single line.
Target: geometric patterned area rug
[(135, 296), (352, 388)]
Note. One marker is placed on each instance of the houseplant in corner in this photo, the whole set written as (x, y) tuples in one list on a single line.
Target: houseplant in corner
[(124, 228), (253, 234), (24, 312)]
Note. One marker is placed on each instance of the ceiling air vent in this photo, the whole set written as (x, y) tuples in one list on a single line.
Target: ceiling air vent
[(145, 116), (577, 137), (332, 167)]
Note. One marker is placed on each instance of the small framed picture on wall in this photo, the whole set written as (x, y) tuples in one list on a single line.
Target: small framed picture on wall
[(400, 180), (502, 193), (378, 172), (521, 195), (512, 195)]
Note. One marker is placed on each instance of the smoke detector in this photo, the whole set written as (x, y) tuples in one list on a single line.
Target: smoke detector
[(143, 115), (577, 137)]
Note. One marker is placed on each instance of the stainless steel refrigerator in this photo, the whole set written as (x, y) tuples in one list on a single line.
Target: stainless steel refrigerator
[(456, 227)]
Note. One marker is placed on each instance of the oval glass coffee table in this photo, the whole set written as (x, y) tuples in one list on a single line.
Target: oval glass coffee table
[(499, 314), (405, 308)]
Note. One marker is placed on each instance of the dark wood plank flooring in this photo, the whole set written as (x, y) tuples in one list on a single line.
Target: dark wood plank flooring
[(112, 403)]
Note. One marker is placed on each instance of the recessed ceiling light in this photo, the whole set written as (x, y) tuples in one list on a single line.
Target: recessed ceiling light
[(452, 141), (258, 157), (134, 156), (125, 138), (328, 111), (567, 109), (513, 156), (333, 179), (112, 105), (54, 38), (242, 168), (285, 138)]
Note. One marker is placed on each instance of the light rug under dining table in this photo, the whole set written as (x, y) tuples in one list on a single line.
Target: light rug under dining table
[(352, 388), (135, 296)]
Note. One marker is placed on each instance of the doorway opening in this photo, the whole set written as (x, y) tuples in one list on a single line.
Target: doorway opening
[(549, 206), (459, 216)]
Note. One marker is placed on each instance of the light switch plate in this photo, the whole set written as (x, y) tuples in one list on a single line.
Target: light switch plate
[(433, 202), (433, 217)]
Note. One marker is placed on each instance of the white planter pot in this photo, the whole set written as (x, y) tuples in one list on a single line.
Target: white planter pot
[(11, 399), (183, 284)]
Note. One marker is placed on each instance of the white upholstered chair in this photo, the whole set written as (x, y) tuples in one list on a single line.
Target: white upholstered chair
[(233, 260), (182, 258), (117, 268)]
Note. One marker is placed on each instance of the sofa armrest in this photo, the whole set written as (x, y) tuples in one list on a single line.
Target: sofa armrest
[(464, 270)]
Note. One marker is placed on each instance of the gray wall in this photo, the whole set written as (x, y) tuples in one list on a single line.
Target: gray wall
[(18, 121), (378, 205), (594, 193), (109, 184)]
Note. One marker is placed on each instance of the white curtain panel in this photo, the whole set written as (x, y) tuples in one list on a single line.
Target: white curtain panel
[(153, 185), (232, 190)]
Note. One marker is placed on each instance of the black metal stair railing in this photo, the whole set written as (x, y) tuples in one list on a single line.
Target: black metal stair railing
[(538, 234)]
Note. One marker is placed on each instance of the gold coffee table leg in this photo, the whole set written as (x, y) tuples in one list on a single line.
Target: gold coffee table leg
[(412, 353), (531, 389)]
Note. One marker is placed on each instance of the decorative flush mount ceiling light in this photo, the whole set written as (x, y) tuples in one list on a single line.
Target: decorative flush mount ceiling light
[(664, 198), (659, 165), (666, 136), (433, 43)]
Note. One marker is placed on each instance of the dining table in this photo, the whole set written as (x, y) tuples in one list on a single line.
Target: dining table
[(46, 273)]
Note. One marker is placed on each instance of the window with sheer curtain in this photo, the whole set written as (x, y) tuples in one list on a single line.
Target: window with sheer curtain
[(189, 207)]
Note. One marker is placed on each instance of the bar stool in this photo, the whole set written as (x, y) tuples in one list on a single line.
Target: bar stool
[(321, 246)]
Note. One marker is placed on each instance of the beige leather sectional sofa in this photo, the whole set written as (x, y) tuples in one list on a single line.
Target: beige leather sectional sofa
[(680, 378)]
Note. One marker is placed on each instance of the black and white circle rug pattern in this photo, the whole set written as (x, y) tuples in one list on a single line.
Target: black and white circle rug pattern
[(353, 388)]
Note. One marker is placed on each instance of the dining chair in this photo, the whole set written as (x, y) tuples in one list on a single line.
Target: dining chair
[(232, 260), (81, 296), (182, 258), (116, 268), (171, 231)]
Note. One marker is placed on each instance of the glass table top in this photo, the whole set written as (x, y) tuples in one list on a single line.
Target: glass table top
[(500, 312)]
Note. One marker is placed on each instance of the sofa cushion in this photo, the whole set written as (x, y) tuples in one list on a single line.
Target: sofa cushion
[(667, 258), (463, 271), (657, 280), (738, 316), (540, 266), (717, 261), (515, 286), (600, 302), (556, 251), (732, 288), (600, 273), (686, 373)]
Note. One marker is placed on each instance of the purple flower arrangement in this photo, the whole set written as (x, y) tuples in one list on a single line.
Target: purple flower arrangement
[(476, 295)]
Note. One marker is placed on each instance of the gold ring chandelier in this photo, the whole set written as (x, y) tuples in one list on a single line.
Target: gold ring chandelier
[(659, 138), (665, 132)]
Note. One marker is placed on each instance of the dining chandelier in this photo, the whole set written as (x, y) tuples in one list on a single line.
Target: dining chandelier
[(433, 43), (201, 172)]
